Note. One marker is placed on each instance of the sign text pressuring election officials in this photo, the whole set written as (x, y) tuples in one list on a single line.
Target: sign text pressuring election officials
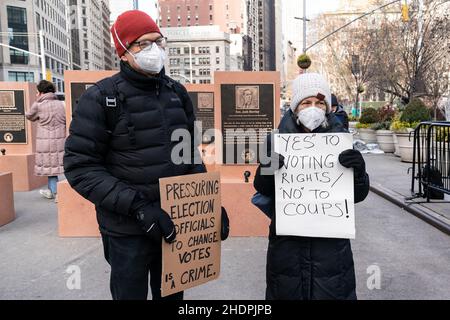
[(193, 203), (314, 192)]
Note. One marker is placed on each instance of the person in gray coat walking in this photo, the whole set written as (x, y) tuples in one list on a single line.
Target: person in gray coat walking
[(50, 115)]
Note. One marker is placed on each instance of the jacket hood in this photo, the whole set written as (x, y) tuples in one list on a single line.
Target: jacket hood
[(47, 97)]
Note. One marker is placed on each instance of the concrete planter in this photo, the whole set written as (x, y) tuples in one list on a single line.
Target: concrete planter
[(385, 139), (397, 150), (406, 146), (369, 136)]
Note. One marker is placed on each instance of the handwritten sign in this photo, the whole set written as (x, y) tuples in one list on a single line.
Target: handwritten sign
[(314, 192), (193, 203)]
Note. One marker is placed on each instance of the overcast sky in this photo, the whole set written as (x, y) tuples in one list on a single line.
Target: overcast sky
[(313, 7)]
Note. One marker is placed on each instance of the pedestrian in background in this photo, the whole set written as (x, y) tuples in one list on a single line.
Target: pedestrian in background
[(50, 115), (339, 111)]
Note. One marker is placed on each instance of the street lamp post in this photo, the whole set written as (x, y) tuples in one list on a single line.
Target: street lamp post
[(41, 44), (304, 25)]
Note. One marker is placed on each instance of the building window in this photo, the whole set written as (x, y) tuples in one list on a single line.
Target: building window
[(38, 21), (17, 22), (17, 76)]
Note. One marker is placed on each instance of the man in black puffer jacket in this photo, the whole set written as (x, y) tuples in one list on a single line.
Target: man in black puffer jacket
[(117, 165), (301, 268)]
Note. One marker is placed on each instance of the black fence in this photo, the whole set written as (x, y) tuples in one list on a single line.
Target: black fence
[(431, 161)]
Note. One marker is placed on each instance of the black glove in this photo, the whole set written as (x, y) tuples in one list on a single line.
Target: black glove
[(277, 160), (225, 229), (353, 159), (154, 221)]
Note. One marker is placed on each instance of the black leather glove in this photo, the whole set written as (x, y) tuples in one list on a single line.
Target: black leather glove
[(225, 229), (353, 159), (154, 221), (275, 163)]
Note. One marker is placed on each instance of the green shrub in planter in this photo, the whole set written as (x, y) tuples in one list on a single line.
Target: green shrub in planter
[(402, 126), (360, 125), (415, 111), (386, 114), (369, 116), (385, 125)]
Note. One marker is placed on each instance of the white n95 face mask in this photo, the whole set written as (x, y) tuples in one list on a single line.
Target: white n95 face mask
[(151, 59), (311, 117)]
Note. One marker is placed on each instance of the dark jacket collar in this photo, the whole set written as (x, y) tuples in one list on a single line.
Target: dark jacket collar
[(289, 124), (138, 79)]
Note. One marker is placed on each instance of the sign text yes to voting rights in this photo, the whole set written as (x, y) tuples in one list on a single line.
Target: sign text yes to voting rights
[(314, 192)]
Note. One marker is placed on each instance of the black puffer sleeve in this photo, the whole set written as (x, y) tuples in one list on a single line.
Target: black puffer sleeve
[(361, 187), (265, 184), (84, 159)]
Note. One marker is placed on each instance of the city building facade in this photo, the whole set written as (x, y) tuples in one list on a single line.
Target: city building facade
[(235, 17), (20, 22), (91, 39), (205, 48)]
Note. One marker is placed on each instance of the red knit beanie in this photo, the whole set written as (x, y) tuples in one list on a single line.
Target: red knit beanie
[(129, 26)]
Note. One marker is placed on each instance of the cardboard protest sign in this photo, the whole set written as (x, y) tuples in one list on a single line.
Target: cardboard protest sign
[(314, 192), (193, 203)]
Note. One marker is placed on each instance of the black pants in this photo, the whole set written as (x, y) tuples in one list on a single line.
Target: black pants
[(131, 259)]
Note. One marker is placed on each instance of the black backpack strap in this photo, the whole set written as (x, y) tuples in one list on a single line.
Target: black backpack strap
[(110, 101), (176, 87), (113, 102)]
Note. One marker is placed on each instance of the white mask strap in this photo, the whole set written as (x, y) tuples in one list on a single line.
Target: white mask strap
[(117, 36)]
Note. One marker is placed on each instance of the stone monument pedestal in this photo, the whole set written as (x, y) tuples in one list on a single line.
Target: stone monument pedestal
[(76, 215), (7, 212), (17, 136), (22, 168)]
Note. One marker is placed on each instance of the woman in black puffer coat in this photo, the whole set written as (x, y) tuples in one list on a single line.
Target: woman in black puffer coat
[(301, 268)]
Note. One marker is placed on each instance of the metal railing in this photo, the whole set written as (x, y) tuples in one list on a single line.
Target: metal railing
[(431, 161)]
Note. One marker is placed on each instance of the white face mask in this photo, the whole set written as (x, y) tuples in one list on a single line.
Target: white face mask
[(151, 59), (311, 117)]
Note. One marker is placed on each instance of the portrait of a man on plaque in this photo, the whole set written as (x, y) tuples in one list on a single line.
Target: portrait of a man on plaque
[(205, 100), (249, 156), (247, 98), (7, 99)]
